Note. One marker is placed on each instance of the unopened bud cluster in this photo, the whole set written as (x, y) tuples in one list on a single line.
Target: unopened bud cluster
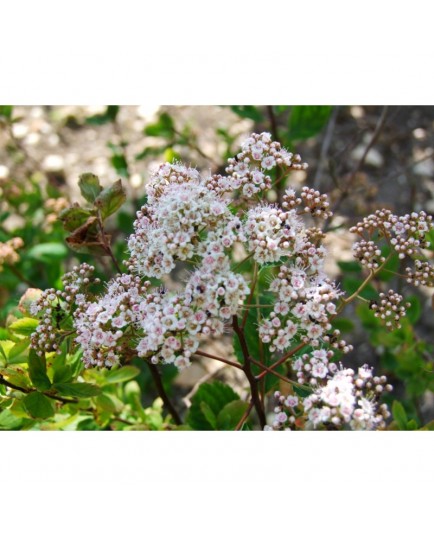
[(407, 234), (422, 274), (53, 307), (389, 309), (368, 254)]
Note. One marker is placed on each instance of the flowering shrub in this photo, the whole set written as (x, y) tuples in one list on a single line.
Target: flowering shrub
[(255, 270)]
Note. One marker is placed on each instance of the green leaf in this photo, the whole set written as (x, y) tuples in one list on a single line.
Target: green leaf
[(24, 326), (414, 312), (48, 252), (345, 325), (307, 121), (5, 348), (6, 111), (248, 112), (119, 162), (105, 404), (399, 415), (209, 415), (38, 371), (9, 421), (62, 374), (108, 116), (349, 266), (163, 128), (351, 284), (111, 199), (74, 217), (38, 405), (428, 427), (89, 186), (17, 353), (231, 414), (392, 265), (215, 395), (123, 374), (80, 390)]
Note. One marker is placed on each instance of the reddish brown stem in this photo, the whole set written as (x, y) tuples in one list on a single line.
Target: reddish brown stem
[(247, 368)]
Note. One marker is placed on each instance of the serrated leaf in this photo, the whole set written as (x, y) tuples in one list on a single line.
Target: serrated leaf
[(111, 199), (38, 371), (307, 121), (215, 395), (122, 374), (90, 187), (231, 414), (24, 326), (399, 415), (38, 405), (209, 415), (79, 390)]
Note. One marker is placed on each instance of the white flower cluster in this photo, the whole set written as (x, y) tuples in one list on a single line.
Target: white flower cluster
[(343, 400), (349, 400), (273, 233), (248, 171), (303, 307), (105, 326), (169, 329), (174, 225)]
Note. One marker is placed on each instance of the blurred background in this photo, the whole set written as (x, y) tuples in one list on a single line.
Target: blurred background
[(364, 157)]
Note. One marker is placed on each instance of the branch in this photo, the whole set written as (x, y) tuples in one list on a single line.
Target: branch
[(30, 390), (162, 393), (217, 358), (248, 372)]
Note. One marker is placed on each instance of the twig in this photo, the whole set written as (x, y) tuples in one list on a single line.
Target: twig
[(106, 244), (217, 358), (325, 146), (162, 393), (271, 371), (283, 359), (28, 390), (347, 188), (245, 416), (248, 372)]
